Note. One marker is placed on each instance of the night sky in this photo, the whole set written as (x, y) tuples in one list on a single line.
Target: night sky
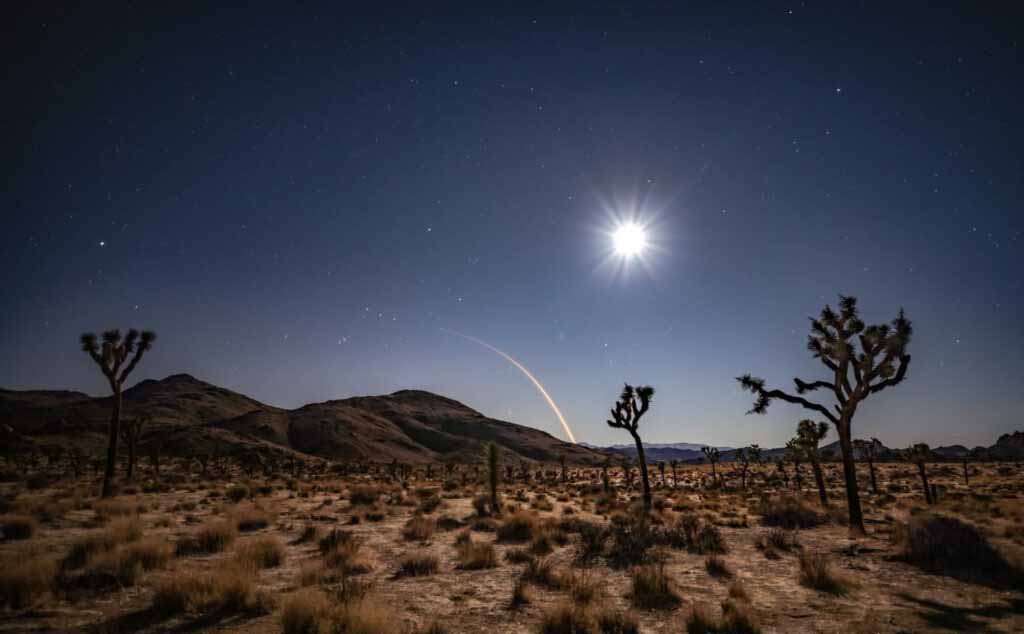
[(299, 203)]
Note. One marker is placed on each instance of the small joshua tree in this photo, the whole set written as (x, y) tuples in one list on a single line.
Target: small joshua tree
[(862, 361), (712, 456), (796, 455), (561, 462), (674, 464), (808, 435), (111, 357), (633, 403), (661, 471), (131, 431), (867, 451), (492, 456), (743, 458), (920, 454), (606, 482)]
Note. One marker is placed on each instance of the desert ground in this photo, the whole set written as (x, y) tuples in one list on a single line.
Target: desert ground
[(355, 550)]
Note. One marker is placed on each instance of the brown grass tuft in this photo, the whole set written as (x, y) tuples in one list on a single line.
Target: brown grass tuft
[(24, 583), (652, 589)]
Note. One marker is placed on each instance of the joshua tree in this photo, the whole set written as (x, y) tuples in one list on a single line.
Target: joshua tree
[(131, 431), (743, 457), (633, 403), (627, 472), (712, 456), (492, 455), (780, 466), (561, 461), (111, 358), (880, 363), (606, 482), (674, 464), (154, 456), (867, 451), (808, 435), (796, 454), (920, 454), (661, 470)]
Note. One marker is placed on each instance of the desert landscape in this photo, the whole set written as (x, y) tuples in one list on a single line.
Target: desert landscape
[(226, 526)]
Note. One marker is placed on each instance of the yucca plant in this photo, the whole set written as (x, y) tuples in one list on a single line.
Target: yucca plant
[(116, 357)]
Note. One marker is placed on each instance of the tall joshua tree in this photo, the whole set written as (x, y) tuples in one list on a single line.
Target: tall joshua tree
[(712, 456), (131, 431), (111, 356), (633, 403), (867, 449), (920, 454), (743, 457), (808, 435), (862, 361), (492, 456)]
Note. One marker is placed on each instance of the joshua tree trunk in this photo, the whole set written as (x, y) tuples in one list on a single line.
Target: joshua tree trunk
[(850, 475), (871, 470), (798, 477), (714, 474), (819, 479), (923, 470), (115, 432), (643, 471)]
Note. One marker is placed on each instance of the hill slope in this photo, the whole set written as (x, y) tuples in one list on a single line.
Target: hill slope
[(191, 416)]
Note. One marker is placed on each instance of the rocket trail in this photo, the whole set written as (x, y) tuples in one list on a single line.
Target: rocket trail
[(533, 379)]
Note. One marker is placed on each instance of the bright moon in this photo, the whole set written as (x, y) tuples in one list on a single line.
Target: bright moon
[(629, 240)]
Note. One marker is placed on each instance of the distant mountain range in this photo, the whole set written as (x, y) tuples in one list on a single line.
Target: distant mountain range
[(190, 416)]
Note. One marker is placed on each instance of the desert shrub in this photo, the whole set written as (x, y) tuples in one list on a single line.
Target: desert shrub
[(251, 518), (583, 588), (778, 539), (590, 544), (364, 495), (25, 582), (229, 589), (262, 552), (305, 612), (363, 616), (652, 589), (816, 572), (945, 544), (521, 594), (483, 525), (417, 566), (120, 531), (114, 507), (541, 544), (449, 523), (430, 503), (309, 533), (738, 591), (788, 512), (518, 555), (717, 567), (334, 538), (347, 557), (541, 571), (611, 621), (476, 555), (519, 526), (709, 540), (632, 538), (566, 618), (734, 620), (237, 492), (418, 528), (17, 527), (211, 537), (125, 564)]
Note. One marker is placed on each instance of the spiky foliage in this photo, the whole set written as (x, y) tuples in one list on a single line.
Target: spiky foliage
[(633, 403), (861, 360), (131, 431), (711, 454), (795, 453), (492, 459), (116, 357), (808, 436), (920, 454)]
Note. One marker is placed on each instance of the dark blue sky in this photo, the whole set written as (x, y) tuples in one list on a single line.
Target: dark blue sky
[(298, 203)]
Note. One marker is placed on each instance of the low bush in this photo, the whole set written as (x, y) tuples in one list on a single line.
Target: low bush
[(417, 566), (788, 512), (652, 589), (23, 583), (211, 537), (229, 589), (262, 552), (942, 544), (419, 528), (519, 526), (816, 572), (476, 555)]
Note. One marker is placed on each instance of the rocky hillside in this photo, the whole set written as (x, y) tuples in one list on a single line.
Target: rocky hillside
[(190, 416)]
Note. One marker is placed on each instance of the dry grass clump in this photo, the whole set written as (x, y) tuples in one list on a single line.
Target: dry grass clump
[(945, 544), (345, 555), (419, 528), (23, 583), (519, 526), (310, 611), (212, 537), (114, 507), (251, 518), (541, 571), (262, 552), (229, 589), (475, 555), (122, 531), (776, 539), (125, 564), (734, 620), (738, 591), (611, 621), (816, 572), (717, 568), (417, 566), (310, 532), (364, 495), (652, 589), (788, 512), (583, 587), (521, 594), (566, 618), (17, 526), (237, 492)]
